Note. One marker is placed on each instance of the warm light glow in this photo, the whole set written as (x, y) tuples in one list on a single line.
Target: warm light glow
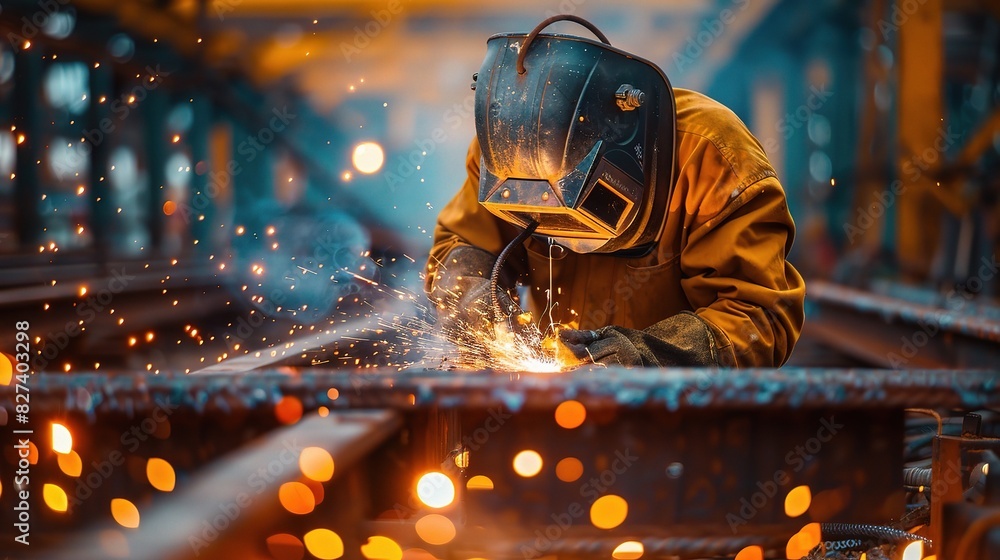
[(436, 490), (169, 207), (288, 410), (527, 463), (283, 546), (628, 550), (316, 464), (751, 553), (125, 513), (62, 440), (608, 512), (55, 497), (913, 551), (368, 157), (800, 544), (70, 463), (324, 544), (569, 469), (797, 501), (6, 369), (160, 474), (462, 460), (479, 482), (435, 529), (570, 414), (296, 498), (381, 548)]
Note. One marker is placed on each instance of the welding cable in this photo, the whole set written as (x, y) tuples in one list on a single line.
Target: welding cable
[(863, 535), (497, 266), (916, 476)]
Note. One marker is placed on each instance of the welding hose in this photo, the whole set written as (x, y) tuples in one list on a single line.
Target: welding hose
[(498, 265), (916, 476), (859, 536)]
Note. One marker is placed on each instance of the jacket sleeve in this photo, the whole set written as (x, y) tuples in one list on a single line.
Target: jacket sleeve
[(464, 222), (738, 281)]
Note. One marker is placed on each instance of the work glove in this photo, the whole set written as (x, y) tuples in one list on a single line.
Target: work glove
[(682, 340), (462, 291)]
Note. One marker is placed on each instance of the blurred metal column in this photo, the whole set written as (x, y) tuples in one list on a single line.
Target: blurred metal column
[(921, 54), (201, 199), (28, 117), (155, 113), (101, 216)]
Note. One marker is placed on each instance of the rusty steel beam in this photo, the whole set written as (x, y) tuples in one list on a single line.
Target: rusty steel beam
[(596, 387), (175, 529), (896, 333)]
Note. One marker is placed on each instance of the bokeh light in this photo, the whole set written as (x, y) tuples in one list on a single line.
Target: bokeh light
[(316, 464), (435, 529), (160, 474), (381, 548), (608, 512), (479, 482), (324, 544), (628, 550), (368, 157), (296, 498), (569, 469), (570, 414), (288, 410), (62, 440), (70, 463), (753, 552), (436, 490), (283, 546), (55, 497), (797, 501), (527, 463), (125, 513)]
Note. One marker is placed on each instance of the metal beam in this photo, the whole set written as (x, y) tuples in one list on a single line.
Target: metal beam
[(166, 532), (920, 108)]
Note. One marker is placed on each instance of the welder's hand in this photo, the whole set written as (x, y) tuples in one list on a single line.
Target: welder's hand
[(475, 311), (462, 292), (681, 340)]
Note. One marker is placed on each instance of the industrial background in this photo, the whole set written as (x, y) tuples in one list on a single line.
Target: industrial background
[(214, 218)]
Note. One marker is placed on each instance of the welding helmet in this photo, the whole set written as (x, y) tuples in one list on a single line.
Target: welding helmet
[(578, 137)]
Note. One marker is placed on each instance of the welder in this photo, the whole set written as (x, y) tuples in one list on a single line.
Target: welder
[(655, 230)]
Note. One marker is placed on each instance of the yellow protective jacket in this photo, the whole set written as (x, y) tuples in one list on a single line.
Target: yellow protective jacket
[(721, 255)]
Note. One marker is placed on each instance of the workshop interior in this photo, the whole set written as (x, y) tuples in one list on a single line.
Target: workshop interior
[(215, 219)]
